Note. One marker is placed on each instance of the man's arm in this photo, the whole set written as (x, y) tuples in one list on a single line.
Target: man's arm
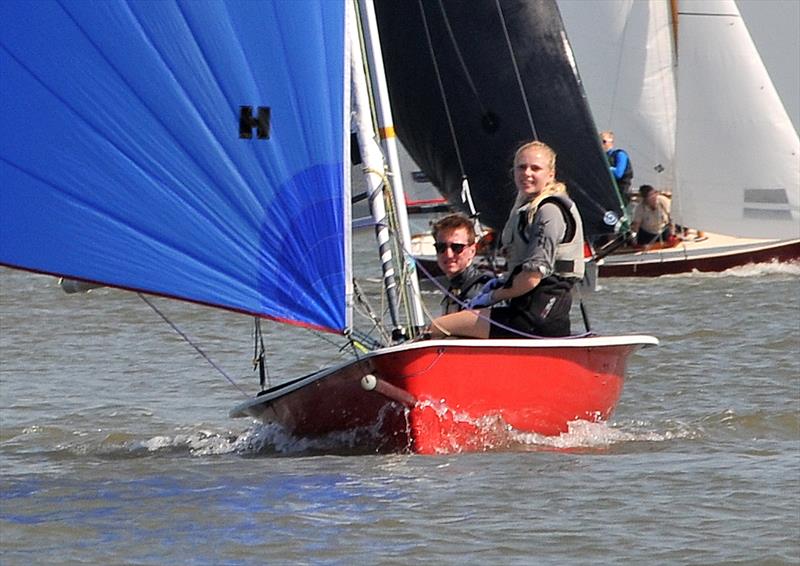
[(637, 218)]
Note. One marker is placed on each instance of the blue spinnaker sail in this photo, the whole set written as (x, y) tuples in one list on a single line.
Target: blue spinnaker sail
[(121, 159)]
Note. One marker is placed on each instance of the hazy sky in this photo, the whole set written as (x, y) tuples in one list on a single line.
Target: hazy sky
[(775, 28)]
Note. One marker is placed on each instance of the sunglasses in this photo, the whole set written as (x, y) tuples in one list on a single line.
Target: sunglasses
[(441, 247)]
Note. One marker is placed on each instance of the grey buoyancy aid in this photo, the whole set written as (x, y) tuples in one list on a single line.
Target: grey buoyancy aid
[(569, 252)]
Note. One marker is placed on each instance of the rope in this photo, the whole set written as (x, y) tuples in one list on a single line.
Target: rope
[(439, 354), (362, 299), (617, 74), (463, 304), (407, 254), (192, 344)]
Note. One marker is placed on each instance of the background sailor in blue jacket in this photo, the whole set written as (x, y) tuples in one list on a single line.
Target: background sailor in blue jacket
[(620, 163)]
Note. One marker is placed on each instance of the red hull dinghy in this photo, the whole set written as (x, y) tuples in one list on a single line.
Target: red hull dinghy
[(443, 396)]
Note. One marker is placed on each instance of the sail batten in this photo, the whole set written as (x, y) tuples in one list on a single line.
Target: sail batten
[(121, 161)]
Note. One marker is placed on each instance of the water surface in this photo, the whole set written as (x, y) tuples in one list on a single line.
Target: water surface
[(116, 446)]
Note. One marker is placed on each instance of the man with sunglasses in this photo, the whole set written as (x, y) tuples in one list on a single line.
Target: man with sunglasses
[(454, 237)]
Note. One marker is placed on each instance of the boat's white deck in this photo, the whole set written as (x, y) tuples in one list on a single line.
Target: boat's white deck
[(710, 244)]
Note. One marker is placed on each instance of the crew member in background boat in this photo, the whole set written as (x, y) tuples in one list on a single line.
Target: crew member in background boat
[(455, 251), (543, 243), (620, 164), (651, 219)]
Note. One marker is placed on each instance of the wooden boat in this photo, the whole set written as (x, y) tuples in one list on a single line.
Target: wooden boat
[(708, 252), (228, 151)]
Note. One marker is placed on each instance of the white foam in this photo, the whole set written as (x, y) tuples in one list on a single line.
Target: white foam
[(492, 434), (791, 268), (601, 435)]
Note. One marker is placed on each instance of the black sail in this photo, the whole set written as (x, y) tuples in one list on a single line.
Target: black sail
[(470, 81)]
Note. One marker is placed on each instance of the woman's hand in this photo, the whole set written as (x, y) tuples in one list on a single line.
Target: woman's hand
[(483, 299)]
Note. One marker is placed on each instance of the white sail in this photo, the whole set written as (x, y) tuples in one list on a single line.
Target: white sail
[(625, 57), (738, 152), (729, 152)]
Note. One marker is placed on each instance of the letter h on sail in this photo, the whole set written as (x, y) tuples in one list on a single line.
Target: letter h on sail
[(247, 122)]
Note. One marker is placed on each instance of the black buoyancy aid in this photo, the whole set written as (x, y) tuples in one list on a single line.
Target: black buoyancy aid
[(462, 287), (625, 181)]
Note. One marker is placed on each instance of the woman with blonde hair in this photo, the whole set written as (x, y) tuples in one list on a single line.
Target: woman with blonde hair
[(543, 244)]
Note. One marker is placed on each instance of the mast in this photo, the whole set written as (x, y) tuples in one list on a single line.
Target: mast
[(677, 204), (373, 166), (673, 4), (389, 144)]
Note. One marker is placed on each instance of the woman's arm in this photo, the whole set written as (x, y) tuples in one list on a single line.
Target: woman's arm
[(546, 230), (523, 282)]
